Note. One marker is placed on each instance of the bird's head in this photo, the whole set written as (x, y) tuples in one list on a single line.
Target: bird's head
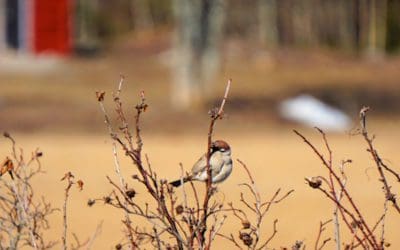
[(221, 146)]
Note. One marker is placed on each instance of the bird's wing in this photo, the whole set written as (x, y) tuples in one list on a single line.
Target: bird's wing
[(216, 163), (200, 165)]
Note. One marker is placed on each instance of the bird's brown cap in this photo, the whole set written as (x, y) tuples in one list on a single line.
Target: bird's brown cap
[(220, 144)]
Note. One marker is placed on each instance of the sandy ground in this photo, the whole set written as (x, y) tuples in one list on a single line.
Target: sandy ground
[(277, 158)]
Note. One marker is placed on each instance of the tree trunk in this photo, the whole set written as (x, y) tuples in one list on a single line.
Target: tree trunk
[(211, 56), (3, 43), (186, 73), (198, 34), (346, 24), (363, 24), (86, 36), (268, 23), (140, 15), (303, 29), (285, 22), (377, 28)]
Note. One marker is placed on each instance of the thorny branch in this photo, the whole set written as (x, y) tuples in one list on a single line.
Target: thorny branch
[(215, 114), (350, 212), (23, 219), (320, 231), (69, 178), (378, 161), (355, 214), (250, 234), (185, 220), (165, 218)]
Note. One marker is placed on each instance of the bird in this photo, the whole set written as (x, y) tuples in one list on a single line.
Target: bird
[(220, 164)]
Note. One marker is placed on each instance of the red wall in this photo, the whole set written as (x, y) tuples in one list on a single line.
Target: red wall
[(52, 26)]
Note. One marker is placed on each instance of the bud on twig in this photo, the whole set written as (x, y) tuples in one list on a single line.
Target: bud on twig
[(246, 224), (80, 185), (107, 199), (179, 209), (68, 176), (130, 193), (246, 238), (100, 95), (91, 202), (314, 182), (363, 117)]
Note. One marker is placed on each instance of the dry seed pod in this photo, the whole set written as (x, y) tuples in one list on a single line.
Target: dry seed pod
[(179, 209), (91, 202), (100, 95), (246, 224), (314, 182), (130, 193)]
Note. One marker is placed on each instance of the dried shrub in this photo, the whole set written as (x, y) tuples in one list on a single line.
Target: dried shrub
[(172, 220), (347, 214), (23, 216)]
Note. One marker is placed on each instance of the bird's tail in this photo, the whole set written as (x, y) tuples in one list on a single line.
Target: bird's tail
[(180, 182)]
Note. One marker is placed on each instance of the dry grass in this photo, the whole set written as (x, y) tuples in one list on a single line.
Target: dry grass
[(277, 159), (261, 80)]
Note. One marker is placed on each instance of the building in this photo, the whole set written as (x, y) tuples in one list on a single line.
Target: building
[(36, 26)]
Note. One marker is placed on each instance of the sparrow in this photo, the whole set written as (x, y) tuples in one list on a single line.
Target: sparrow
[(220, 164)]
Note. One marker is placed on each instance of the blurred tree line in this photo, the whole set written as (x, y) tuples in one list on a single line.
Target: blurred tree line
[(356, 25), (367, 27)]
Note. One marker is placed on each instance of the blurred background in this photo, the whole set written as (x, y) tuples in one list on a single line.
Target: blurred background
[(55, 54), (294, 64)]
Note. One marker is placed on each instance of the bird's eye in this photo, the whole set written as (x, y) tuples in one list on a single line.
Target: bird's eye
[(222, 149)]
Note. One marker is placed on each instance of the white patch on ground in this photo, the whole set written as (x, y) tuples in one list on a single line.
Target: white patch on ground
[(309, 111)]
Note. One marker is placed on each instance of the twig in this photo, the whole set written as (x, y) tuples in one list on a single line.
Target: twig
[(215, 230), (274, 231), (214, 116), (365, 229), (96, 233), (122, 183), (385, 209), (378, 161), (251, 232), (68, 177), (147, 178), (321, 229), (231, 239)]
